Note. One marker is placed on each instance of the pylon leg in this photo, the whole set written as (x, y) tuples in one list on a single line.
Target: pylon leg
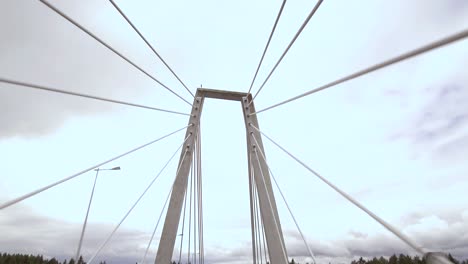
[(171, 223), (267, 204)]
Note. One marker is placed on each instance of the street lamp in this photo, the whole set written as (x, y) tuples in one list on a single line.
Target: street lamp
[(89, 206), (99, 169)]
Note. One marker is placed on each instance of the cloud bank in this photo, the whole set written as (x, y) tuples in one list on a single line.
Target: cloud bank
[(25, 231)]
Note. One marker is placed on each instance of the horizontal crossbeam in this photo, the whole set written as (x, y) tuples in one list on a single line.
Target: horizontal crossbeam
[(219, 94)]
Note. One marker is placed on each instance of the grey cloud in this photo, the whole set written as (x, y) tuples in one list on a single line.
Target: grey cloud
[(40, 47), (24, 231), (441, 127), (446, 113), (455, 149), (452, 238), (439, 18), (347, 249), (28, 53), (220, 255), (377, 245), (357, 234), (296, 248), (411, 219), (28, 114)]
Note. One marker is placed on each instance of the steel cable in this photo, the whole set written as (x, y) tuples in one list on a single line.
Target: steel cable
[(23, 197), (287, 204), (135, 204), (44, 88), (268, 44), (304, 24), (434, 45), (110, 48), (389, 227), (149, 45)]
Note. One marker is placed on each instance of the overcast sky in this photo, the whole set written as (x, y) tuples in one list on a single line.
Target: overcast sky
[(396, 139)]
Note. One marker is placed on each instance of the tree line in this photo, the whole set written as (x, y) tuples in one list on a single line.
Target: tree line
[(7, 258), (394, 259)]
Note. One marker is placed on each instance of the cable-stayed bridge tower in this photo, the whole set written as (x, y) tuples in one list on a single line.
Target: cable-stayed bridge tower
[(259, 183)]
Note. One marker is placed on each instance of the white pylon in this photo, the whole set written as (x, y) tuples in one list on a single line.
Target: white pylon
[(267, 205)]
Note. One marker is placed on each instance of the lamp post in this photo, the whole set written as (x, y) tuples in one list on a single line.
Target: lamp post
[(87, 211)]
